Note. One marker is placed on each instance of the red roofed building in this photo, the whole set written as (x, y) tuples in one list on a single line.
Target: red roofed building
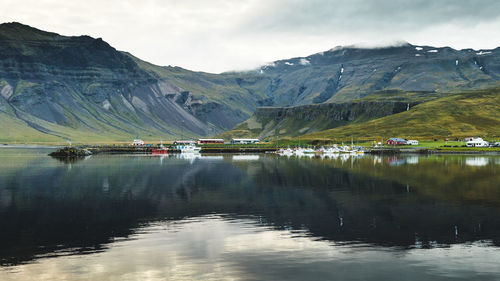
[(396, 141)]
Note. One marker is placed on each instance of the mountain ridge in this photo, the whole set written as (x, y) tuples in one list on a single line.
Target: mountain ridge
[(80, 87), (84, 84)]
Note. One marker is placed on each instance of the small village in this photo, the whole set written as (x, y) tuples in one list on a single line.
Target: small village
[(286, 148)]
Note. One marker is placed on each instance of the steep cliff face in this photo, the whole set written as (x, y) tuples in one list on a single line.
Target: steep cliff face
[(294, 121), (475, 113), (80, 87)]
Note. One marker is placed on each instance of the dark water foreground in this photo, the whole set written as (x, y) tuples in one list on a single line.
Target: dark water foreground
[(249, 217)]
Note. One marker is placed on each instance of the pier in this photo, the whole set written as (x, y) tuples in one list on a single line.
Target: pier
[(81, 151)]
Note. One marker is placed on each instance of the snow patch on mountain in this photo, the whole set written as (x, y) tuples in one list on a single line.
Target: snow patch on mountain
[(304, 61), (480, 53), (7, 91), (106, 104)]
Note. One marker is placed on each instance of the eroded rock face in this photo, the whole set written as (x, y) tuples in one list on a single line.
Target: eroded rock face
[(294, 121), (82, 82), (6, 91), (333, 111), (348, 73)]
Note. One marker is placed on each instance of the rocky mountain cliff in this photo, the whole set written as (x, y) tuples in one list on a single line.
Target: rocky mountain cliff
[(55, 87), (58, 87), (268, 122), (350, 77), (346, 73)]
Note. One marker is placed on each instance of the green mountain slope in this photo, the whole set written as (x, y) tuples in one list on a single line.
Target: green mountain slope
[(295, 121), (458, 115), (81, 88)]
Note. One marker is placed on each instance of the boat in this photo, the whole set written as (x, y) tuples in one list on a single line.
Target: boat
[(332, 150), (319, 152), (160, 150), (345, 149), (298, 152), (285, 152), (309, 151), (190, 148), (360, 152)]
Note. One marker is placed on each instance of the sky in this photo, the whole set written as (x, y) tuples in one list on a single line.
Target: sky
[(224, 35)]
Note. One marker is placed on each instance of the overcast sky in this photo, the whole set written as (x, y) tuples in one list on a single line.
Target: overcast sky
[(223, 35)]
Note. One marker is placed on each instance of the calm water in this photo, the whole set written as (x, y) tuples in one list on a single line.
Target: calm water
[(249, 217)]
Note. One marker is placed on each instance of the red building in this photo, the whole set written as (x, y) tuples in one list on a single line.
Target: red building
[(208, 141), (396, 141)]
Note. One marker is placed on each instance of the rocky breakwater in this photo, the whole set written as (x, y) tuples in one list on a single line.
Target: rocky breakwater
[(68, 152)]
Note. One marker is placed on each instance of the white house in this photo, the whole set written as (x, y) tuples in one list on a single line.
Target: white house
[(138, 142), (412, 142), (477, 142)]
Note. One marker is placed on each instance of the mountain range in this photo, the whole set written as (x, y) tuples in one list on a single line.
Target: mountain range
[(80, 88)]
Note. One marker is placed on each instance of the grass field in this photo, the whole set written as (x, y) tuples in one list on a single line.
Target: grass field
[(452, 116), (455, 116)]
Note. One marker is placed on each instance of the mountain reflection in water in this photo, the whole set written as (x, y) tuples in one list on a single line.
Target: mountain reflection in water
[(317, 209)]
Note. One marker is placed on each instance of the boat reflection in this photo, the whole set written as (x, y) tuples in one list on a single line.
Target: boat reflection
[(476, 161)]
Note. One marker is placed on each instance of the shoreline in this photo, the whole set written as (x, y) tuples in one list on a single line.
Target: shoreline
[(35, 146), (95, 150), (427, 151)]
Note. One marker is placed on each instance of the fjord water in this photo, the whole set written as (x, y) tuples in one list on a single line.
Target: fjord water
[(249, 217)]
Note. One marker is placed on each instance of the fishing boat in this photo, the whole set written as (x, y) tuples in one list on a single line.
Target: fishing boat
[(285, 152), (332, 150), (298, 152), (190, 148), (309, 151), (160, 150), (345, 149)]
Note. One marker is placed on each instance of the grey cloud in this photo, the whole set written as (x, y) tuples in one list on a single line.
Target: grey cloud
[(221, 35), (324, 16)]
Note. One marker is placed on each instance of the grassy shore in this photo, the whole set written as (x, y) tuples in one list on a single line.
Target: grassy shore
[(466, 149), (439, 145)]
